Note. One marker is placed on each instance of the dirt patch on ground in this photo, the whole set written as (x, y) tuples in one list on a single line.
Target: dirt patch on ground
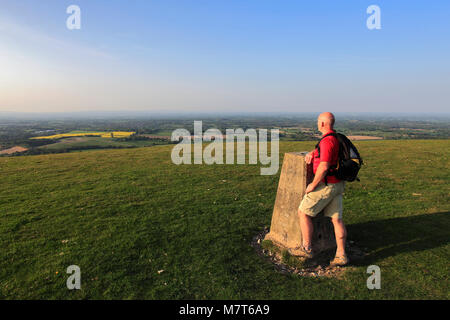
[(13, 150), (356, 138), (318, 266)]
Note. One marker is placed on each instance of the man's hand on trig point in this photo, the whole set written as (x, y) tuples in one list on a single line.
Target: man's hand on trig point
[(308, 157)]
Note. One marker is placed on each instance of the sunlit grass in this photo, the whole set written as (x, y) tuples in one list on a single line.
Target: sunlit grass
[(125, 215)]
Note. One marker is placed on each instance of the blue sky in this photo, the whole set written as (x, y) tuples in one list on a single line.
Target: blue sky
[(247, 55)]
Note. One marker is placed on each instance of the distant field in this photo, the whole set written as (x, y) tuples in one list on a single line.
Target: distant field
[(165, 133), (151, 136), (13, 150), (141, 227), (79, 143), (364, 138), (112, 134)]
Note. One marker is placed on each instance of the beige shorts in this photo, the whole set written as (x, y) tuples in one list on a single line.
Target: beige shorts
[(325, 197)]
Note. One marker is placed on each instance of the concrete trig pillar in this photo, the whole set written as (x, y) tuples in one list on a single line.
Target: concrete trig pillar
[(285, 227)]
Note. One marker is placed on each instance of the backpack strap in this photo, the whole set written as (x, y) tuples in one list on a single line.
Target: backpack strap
[(334, 134), (327, 135)]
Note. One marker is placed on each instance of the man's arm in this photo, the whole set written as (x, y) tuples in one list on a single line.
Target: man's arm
[(321, 172)]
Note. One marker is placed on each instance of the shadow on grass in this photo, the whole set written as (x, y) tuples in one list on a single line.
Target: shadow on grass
[(389, 237)]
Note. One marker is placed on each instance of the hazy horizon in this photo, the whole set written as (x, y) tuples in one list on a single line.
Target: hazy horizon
[(210, 56), (199, 115)]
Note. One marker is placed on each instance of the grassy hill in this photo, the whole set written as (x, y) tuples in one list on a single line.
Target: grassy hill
[(141, 227), (84, 143)]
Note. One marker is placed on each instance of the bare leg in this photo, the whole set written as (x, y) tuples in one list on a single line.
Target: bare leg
[(306, 227), (341, 235)]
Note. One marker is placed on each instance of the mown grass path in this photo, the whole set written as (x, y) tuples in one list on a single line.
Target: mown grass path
[(123, 216)]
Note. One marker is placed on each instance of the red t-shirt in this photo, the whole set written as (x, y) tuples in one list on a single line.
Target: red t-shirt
[(329, 152)]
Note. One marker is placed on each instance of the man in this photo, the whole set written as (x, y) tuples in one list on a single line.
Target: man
[(323, 196)]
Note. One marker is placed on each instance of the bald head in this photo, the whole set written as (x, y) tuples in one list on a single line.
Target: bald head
[(325, 122)]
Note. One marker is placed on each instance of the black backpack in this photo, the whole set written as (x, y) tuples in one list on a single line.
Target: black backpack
[(349, 160)]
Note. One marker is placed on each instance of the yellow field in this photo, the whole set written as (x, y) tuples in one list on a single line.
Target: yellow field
[(112, 134)]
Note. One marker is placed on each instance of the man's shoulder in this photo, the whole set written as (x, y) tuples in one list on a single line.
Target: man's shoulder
[(331, 139)]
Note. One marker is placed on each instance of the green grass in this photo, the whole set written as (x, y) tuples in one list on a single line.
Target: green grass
[(129, 213), (69, 144)]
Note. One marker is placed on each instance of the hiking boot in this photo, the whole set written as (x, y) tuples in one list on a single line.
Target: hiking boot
[(339, 261), (301, 251)]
